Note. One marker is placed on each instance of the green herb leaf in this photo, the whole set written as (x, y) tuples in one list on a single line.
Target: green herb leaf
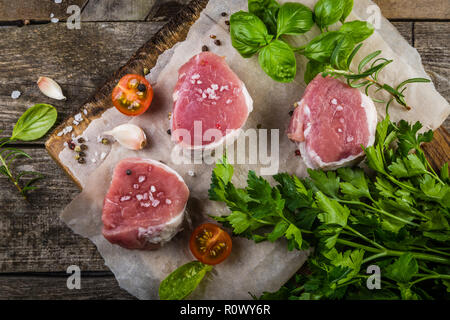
[(358, 30), (403, 269), (328, 12), (294, 236), (183, 281), (248, 33), (321, 47), (293, 19), (278, 60), (267, 11), (35, 122), (328, 182), (313, 68), (355, 185), (348, 7), (341, 53)]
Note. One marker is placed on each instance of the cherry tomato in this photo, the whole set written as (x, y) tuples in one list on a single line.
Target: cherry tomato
[(210, 244), (132, 95)]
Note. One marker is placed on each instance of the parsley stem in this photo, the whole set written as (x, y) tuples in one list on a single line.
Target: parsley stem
[(365, 238), (436, 276), (417, 255)]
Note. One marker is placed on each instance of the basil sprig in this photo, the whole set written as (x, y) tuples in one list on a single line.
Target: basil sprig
[(264, 30), (183, 281)]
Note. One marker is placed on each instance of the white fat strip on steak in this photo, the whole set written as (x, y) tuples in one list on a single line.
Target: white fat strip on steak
[(313, 160)]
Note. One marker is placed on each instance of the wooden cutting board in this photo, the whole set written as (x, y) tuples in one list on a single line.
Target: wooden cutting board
[(438, 151)]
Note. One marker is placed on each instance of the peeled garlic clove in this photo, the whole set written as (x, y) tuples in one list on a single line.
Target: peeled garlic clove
[(129, 136), (50, 88)]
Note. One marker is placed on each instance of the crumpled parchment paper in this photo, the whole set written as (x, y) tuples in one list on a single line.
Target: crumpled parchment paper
[(251, 267)]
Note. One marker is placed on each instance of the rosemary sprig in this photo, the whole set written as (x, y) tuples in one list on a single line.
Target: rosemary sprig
[(367, 76), (7, 157)]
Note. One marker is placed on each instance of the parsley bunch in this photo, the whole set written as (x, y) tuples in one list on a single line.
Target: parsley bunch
[(395, 215)]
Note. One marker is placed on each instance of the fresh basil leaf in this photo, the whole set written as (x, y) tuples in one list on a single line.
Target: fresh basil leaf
[(35, 122), (322, 47), (341, 53), (313, 68), (358, 30), (293, 19), (278, 61), (248, 33), (348, 7), (267, 11), (328, 12), (183, 281)]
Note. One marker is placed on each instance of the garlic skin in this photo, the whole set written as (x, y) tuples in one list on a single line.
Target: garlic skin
[(129, 136), (50, 88)]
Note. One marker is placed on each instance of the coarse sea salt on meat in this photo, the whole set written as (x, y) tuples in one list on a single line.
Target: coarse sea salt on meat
[(210, 93), (328, 137), (141, 220)]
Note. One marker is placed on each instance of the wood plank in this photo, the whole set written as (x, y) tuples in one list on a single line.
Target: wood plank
[(438, 150), (432, 42), (32, 237), (79, 60), (37, 10), (405, 29), (38, 287), (117, 10), (417, 9)]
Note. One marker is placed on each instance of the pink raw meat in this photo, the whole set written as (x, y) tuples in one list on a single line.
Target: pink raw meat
[(208, 91), (144, 206), (331, 123)]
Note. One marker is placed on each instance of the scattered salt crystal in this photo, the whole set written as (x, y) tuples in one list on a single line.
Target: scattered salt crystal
[(139, 197), (67, 129), (222, 88), (65, 144), (191, 173), (334, 101), (94, 160), (204, 95), (54, 20), (75, 122), (199, 82), (125, 198), (339, 130), (350, 139), (78, 117), (52, 15), (141, 179), (145, 204), (168, 201), (136, 186), (15, 94), (339, 108), (214, 86), (99, 139), (155, 203), (103, 156), (85, 112), (145, 196), (152, 189), (58, 1), (341, 120), (195, 76), (193, 81), (229, 101)]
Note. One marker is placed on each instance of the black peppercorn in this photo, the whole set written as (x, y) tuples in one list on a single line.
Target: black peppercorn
[(227, 22), (128, 172), (291, 113), (83, 147), (169, 132), (217, 42), (82, 154), (224, 14), (141, 87), (205, 48), (81, 160), (81, 140)]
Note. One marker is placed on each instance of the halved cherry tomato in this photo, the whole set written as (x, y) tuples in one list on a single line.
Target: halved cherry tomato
[(210, 244), (132, 95)]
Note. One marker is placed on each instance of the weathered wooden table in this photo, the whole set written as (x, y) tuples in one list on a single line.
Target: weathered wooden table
[(36, 248)]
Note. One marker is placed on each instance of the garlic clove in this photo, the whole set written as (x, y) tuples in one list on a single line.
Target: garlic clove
[(129, 136), (50, 88)]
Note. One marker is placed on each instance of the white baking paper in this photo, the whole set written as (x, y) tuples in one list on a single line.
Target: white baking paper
[(251, 267)]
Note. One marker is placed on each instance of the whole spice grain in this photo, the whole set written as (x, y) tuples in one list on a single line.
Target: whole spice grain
[(77, 149), (83, 147), (205, 48), (81, 160), (81, 140), (105, 141), (217, 42)]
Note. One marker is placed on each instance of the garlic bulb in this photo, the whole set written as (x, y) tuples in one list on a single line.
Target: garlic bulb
[(129, 136), (50, 88)]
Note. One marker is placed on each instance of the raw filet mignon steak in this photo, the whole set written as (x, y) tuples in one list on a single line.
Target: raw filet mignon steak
[(331, 123), (211, 95), (144, 206)]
